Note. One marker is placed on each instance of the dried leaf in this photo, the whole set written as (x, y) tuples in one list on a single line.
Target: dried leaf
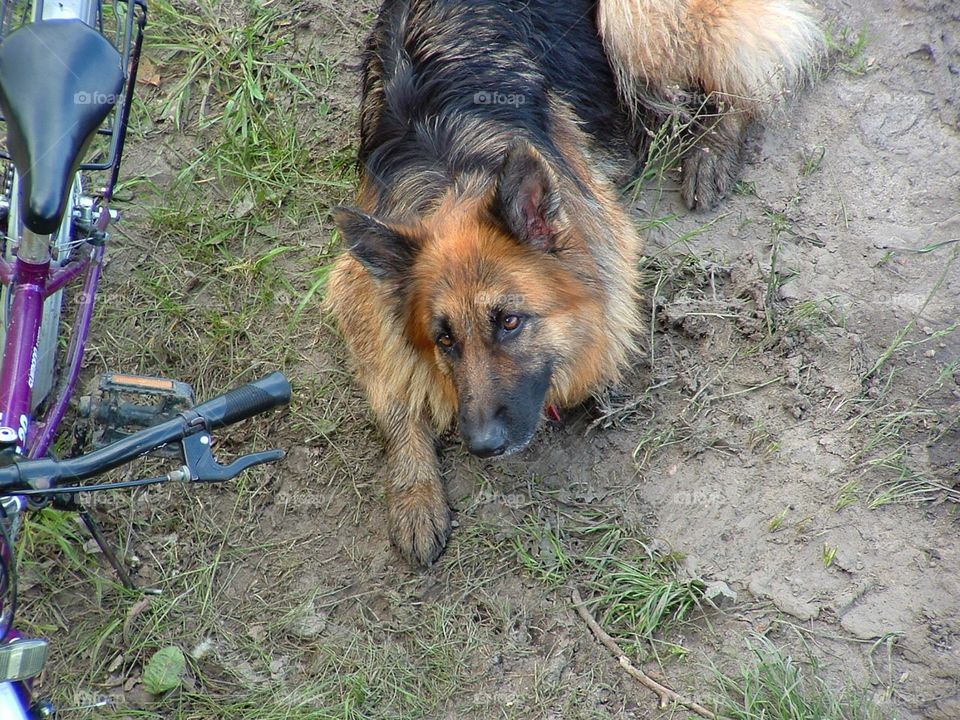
[(147, 73)]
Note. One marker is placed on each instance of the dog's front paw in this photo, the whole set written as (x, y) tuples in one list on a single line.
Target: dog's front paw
[(420, 523)]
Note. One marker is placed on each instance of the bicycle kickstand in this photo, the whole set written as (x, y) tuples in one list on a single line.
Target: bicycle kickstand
[(67, 503)]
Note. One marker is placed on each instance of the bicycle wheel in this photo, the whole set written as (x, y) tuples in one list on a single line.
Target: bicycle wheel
[(44, 372)]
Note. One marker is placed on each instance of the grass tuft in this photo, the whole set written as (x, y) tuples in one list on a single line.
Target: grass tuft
[(644, 597), (637, 592), (847, 47), (773, 686)]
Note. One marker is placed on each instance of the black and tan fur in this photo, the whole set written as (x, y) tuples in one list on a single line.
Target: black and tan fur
[(491, 269)]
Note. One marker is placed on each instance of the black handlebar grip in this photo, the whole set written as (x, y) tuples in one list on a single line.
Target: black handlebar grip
[(245, 401)]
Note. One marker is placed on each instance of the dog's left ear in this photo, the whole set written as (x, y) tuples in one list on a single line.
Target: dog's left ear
[(527, 198), (384, 251)]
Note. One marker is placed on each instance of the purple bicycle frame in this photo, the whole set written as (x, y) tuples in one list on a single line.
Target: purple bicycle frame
[(31, 284)]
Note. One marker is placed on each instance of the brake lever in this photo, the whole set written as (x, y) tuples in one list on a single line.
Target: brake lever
[(203, 467)]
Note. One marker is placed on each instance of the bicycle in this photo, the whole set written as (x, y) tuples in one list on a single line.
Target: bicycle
[(68, 73)]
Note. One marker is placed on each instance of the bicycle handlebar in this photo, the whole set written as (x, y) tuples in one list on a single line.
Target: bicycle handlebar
[(243, 402), (231, 407)]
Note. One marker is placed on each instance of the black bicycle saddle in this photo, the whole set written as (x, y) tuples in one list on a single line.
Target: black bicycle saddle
[(58, 81)]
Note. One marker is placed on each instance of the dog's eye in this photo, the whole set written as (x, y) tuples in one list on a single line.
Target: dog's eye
[(511, 322), (445, 340)]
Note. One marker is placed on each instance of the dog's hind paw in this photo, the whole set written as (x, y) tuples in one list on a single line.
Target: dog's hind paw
[(420, 524), (707, 178), (711, 167)]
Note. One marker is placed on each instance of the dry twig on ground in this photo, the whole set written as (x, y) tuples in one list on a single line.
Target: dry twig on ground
[(665, 694)]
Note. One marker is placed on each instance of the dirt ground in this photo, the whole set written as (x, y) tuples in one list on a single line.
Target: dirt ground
[(792, 431)]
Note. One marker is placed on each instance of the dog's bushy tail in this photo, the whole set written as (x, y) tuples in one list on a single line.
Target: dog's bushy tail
[(747, 53)]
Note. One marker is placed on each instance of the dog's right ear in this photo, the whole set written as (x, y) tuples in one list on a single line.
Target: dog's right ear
[(385, 252)]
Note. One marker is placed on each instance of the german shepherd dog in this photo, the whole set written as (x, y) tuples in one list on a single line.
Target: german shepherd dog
[(491, 269)]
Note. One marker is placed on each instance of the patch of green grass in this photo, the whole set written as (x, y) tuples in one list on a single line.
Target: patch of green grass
[(667, 144), (803, 318), (774, 686), (776, 522), (542, 553), (895, 433), (637, 593), (847, 495), (780, 222), (847, 47), (257, 97), (238, 240), (642, 598), (367, 672), (811, 317), (372, 668), (762, 440), (52, 532), (900, 342), (653, 439), (813, 160), (829, 554), (908, 485), (775, 278)]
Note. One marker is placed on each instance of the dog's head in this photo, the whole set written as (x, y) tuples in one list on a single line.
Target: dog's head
[(483, 286)]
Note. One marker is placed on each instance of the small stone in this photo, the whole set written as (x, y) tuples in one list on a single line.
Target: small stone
[(115, 664), (278, 666), (308, 625), (719, 594), (783, 598), (878, 614), (796, 607), (558, 662), (91, 547), (789, 292), (690, 568), (925, 51), (658, 548)]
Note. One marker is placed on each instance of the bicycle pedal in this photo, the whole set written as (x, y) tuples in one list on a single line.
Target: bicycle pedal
[(22, 659), (125, 404)]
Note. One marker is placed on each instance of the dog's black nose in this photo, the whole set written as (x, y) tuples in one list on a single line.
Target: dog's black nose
[(486, 440)]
